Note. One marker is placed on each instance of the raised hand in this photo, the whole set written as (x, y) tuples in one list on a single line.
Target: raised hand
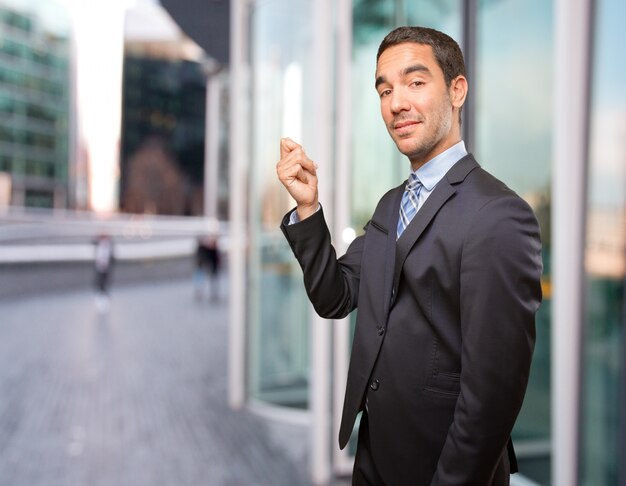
[(298, 174)]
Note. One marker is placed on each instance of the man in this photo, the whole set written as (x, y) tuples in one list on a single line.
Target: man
[(446, 279)]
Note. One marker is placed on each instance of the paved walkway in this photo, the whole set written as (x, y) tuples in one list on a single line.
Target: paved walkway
[(134, 398)]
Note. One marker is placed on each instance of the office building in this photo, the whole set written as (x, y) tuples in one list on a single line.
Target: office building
[(163, 118), (35, 103), (162, 156)]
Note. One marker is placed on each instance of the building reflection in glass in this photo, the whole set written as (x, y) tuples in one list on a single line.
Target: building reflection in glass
[(514, 131), (605, 255), (283, 76)]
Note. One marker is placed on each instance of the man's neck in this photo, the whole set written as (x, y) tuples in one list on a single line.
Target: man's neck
[(417, 163)]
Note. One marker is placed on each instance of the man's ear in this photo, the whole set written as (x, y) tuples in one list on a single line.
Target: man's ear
[(458, 91)]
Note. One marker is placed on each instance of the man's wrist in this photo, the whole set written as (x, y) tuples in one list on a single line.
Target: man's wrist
[(304, 212), (294, 218)]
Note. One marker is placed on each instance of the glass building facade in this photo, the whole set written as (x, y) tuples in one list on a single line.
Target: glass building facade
[(35, 101), (603, 416), (509, 125)]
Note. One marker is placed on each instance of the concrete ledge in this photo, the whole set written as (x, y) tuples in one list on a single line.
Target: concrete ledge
[(81, 252), (28, 278)]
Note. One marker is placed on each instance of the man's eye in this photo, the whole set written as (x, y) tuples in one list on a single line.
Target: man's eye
[(385, 92), (417, 83)]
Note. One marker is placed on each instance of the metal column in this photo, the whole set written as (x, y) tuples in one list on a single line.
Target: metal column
[(572, 55), (237, 185), (323, 155), (342, 461)]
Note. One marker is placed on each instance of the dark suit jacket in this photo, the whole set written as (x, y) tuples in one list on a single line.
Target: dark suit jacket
[(445, 326)]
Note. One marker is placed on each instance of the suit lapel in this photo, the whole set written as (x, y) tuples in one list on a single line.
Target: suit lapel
[(390, 247), (441, 194)]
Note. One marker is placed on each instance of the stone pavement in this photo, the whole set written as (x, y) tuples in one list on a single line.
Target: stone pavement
[(136, 397)]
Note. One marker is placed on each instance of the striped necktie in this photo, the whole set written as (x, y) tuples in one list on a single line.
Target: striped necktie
[(408, 207)]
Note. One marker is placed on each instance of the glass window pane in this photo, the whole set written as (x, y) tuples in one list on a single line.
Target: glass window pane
[(605, 254), (375, 161), (513, 93), (443, 15), (283, 79)]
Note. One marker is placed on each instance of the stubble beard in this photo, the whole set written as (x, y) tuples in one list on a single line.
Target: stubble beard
[(437, 128)]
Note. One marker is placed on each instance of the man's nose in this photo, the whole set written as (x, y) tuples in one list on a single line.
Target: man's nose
[(399, 101)]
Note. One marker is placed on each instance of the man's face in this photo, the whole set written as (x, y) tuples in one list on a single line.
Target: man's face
[(415, 102)]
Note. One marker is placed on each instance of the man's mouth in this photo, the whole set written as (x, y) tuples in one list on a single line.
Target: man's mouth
[(404, 126)]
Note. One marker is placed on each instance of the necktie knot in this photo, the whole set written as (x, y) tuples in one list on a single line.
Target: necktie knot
[(413, 183), (409, 203)]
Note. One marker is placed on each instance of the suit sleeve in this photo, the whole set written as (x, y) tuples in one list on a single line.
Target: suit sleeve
[(500, 293), (332, 284)]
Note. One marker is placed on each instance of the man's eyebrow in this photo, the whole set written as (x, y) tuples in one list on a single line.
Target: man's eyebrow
[(415, 68)]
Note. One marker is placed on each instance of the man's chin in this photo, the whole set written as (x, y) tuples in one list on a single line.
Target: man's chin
[(407, 147)]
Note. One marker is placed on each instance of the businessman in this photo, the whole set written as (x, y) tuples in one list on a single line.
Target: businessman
[(446, 279)]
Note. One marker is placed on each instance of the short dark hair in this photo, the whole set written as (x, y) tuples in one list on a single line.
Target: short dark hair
[(445, 49)]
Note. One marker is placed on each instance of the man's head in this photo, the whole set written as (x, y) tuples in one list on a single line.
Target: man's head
[(445, 49), (420, 78)]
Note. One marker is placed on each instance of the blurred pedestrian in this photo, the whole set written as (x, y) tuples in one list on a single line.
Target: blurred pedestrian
[(213, 266), (103, 265), (207, 268)]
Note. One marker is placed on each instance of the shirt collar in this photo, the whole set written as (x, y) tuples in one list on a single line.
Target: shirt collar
[(433, 171)]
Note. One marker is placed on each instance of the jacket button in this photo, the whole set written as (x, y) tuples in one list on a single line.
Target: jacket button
[(374, 385), (381, 330)]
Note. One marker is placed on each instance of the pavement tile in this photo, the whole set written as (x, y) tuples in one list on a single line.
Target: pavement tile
[(134, 397)]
